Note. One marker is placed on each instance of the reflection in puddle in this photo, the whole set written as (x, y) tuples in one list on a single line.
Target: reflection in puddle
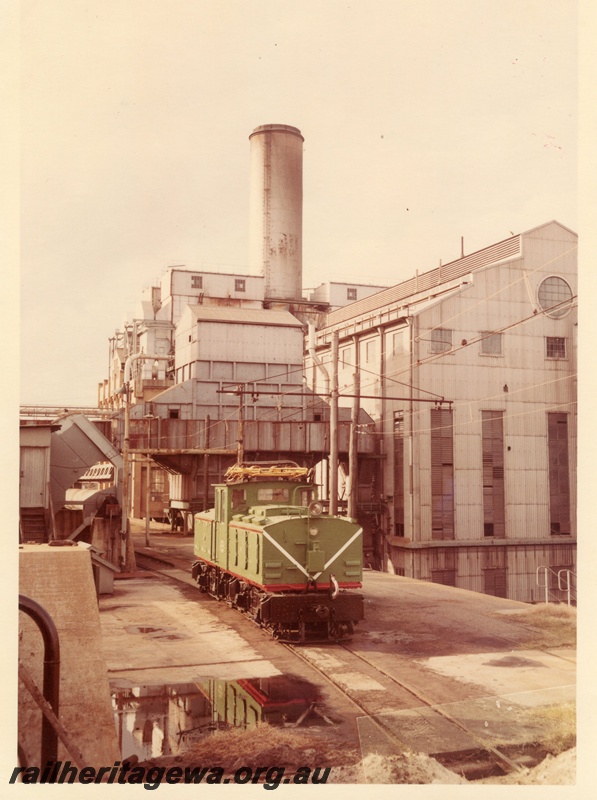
[(163, 719)]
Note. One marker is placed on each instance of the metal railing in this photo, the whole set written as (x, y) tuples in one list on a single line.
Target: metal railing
[(51, 673), (566, 584)]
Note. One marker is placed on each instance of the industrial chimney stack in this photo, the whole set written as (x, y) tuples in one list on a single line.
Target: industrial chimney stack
[(276, 210)]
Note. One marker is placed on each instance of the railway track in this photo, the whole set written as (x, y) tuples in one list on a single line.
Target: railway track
[(392, 710), (395, 716)]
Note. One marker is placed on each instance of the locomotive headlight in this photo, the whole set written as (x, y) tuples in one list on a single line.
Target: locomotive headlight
[(313, 531)]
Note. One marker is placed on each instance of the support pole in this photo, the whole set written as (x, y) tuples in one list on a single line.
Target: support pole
[(206, 465), (147, 499), (352, 451), (241, 447), (334, 428), (124, 525)]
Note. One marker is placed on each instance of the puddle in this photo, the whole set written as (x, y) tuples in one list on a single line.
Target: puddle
[(146, 629), (163, 634), (164, 719), (513, 661)]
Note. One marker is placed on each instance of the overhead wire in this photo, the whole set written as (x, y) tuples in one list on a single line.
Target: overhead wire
[(507, 286), (452, 350), (392, 376), (487, 298)]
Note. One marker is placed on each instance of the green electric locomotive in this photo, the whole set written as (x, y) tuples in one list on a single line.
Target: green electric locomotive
[(268, 549)]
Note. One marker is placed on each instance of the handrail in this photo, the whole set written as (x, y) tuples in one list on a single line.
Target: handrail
[(564, 571), (568, 588), (51, 685)]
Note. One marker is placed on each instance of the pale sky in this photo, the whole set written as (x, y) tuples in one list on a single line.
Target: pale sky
[(423, 122)]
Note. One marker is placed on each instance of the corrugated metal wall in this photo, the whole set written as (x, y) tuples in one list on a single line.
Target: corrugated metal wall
[(511, 481), (258, 435), (489, 568)]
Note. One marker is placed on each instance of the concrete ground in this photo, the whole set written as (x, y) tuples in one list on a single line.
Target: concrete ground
[(465, 652)]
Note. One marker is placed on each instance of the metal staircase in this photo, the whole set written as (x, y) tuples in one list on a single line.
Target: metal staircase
[(33, 525)]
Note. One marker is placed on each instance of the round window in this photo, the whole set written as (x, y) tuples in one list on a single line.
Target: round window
[(555, 296)]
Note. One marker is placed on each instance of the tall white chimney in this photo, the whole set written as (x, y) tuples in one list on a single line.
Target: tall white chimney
[(276, 210)]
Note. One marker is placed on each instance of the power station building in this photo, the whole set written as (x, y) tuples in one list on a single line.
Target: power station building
[(469, 372), (465, 376)]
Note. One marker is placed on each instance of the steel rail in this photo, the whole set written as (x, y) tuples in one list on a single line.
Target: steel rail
[(376, 719), (512, 765)]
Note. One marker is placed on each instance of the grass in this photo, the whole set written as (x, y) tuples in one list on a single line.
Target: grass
[(553, 624), (267, 744), (559, 726)]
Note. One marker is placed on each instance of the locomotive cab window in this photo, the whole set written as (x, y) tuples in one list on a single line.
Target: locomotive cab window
[(238, 498), (304, 497), (271, 495)]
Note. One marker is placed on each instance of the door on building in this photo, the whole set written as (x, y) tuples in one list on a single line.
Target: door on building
[(495, 582), (33, 484)]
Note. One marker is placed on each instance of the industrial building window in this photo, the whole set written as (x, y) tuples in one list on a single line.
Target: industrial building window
[(398, 343), (399, 473), (495, 582), (158, 480), (555, 296), (346, 357), (441, 340), (555, 347), (559, 474), (442, 474), (370, 350), (447, 577), (492, 445), (491, 343), (196, 282), (239, 285), (351, 294)]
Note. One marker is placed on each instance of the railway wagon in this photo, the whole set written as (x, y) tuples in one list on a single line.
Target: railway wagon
[(268, 549)]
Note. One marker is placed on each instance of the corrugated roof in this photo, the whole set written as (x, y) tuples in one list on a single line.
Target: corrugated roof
[(246, 316), (509, 248)]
